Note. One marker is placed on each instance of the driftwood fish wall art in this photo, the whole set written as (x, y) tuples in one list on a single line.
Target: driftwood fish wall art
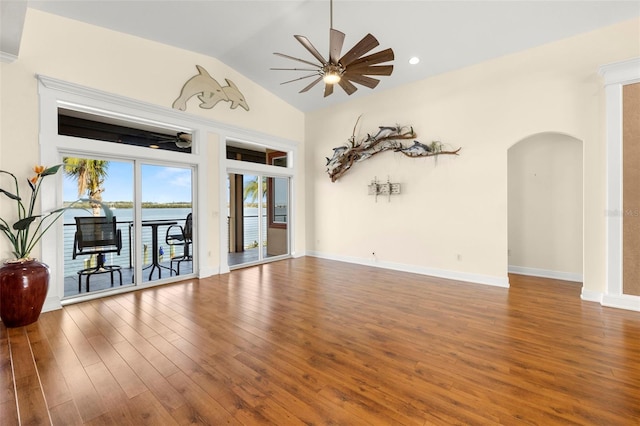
[(210, 92), (388, 138)]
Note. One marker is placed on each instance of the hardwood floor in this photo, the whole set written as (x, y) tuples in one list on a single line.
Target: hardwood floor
[(312, 341)]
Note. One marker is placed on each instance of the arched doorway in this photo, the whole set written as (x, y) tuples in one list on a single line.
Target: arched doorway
[(545, 206)]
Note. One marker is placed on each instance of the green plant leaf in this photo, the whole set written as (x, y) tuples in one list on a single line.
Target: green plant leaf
[(51, 170), (23, 224), (10, 195)]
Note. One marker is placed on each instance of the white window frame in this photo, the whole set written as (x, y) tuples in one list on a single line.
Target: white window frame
[(246, 168), (616, 76), (55, 93)]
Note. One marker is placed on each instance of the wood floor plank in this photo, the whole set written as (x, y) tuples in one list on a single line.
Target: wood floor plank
[(199, 407), (85, 397), (318, 342), (154, 381), (65, 413), (32, 407), (53, 383), (126, 377), (113, 396), (8, 407)]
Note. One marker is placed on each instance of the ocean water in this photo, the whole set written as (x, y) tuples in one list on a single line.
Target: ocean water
[(124, 219)]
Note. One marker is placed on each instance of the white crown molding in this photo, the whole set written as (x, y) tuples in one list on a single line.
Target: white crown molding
[(172, 114), (440, 273), (7, 57), (12, 17), (621, 72)]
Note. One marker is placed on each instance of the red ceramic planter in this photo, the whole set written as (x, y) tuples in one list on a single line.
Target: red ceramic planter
[(23, 289)]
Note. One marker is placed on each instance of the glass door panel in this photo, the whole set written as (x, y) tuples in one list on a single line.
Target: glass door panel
[(166, 222), (166, 246), (277, 235), (98, 266), (258, 211)]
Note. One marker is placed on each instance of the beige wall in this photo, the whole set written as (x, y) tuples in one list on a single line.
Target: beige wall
[(132, 67), (452, 216), (545, 206)]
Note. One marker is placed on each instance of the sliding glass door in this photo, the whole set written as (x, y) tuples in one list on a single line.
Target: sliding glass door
[(166, 210), (258, 213), (152, 238)]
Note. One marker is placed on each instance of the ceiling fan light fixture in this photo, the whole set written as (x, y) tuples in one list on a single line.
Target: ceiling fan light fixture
[(331, 74), (183, 140), (355, 66), (331, 77)]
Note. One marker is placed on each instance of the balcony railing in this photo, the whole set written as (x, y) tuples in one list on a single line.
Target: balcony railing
[(71, 266)]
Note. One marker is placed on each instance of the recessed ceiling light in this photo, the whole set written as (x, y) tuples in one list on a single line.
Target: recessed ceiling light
[(414, 60), (154, 146)]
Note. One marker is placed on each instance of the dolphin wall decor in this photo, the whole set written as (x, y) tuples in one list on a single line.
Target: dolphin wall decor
[(209, 92)]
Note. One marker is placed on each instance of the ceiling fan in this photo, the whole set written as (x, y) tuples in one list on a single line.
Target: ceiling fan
[(181, 140), (351, 68)]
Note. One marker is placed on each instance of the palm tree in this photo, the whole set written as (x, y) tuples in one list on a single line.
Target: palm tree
[(251, 189), (90, 175)]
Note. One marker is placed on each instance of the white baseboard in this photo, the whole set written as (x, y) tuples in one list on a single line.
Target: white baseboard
[(51, 304), (591, 296), (208, 272), (623, 301), (545, 273), (440, 273), (298, 254)]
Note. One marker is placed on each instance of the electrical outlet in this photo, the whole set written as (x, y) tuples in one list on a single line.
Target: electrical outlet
[(459, 257)]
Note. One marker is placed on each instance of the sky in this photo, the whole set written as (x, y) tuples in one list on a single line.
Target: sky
[(160, 184)]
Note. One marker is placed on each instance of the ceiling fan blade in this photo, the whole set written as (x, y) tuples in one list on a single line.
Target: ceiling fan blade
[(361, 79), (307, 45), (347, 86), (336, 40), (296, 59), (375, 58), (293, 69), (299, 78), (371, 70), (328, 89), (313, 83), (365, 45)]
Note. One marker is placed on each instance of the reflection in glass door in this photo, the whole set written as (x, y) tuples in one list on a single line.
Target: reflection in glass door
[(99, 256), (258, 213), (277, 235), (166, 225), (96, 257)]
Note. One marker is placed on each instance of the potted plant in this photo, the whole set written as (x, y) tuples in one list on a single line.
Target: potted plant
[(24, 281)]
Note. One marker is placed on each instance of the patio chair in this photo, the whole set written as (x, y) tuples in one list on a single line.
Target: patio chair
[(181, 236), (97, 235)]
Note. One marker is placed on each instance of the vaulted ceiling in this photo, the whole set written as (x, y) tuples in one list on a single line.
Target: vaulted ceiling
[(445, 35)]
